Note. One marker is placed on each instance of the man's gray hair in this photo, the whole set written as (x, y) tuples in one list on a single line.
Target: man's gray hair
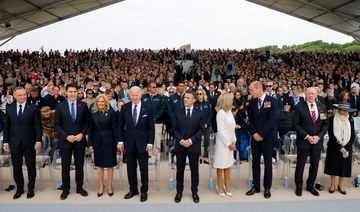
[(134, 88)]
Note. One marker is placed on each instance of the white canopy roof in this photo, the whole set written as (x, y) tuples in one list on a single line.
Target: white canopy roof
[(339, 15), (19, 16)]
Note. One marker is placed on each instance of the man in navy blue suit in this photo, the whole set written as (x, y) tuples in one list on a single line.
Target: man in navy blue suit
[(213, 96), (71, 123), (262, 118), (188, 126), (138, 118)]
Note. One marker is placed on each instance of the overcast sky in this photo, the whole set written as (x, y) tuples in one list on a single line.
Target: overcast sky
[(155, 24)]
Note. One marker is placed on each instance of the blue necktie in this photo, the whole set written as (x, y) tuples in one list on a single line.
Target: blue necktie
[(188, 114), (20, 112), (134, 115), (73, 111)]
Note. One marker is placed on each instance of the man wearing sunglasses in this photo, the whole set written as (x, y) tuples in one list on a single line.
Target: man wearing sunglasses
[(157, 104)]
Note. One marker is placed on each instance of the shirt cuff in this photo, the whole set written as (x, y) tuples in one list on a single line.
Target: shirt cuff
[(38, 142), (150, 145), (306, 137), (120, 142), (181, 141), (190, 141)]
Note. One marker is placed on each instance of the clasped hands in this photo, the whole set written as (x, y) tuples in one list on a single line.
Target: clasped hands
[(73, 138), (313, 139), (257, 137), (186, 143), (343, 150)]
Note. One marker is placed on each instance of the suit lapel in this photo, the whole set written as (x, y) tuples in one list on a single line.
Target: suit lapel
[(67, 111), (78, 109)]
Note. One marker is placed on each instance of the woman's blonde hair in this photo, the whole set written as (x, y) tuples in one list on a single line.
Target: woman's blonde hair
[(204, 94), (107, 105), (225, 102)]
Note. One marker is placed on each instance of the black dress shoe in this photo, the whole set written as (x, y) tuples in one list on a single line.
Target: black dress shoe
[(82, 192), (312, 191), (267, 193), (143, 197), (298, 191), (319, 187), (342, 192), (64, 195), (178, 197), (18, 193), (252, 191), (196, 198), (131, 194), (30, 194)]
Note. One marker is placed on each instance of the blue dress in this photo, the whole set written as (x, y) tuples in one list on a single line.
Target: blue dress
[(103, 138)]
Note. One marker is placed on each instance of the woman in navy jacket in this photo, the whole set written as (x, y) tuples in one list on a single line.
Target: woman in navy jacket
[(204, 105), (102, 140)]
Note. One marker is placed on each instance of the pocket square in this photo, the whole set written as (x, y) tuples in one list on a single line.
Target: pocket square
[(144, 115)]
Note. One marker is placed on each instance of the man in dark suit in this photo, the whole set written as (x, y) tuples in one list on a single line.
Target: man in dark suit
[(71, 124), (96, 88), (124, 90), (138, 118), (188, 126), (22, 133), (311, 124), (262, 118), (354, 100), (213, 96)]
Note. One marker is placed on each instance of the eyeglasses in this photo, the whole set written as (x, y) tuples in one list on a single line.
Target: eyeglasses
[(96, 85), (172, 92), (268, 86), (90, 93), (199, 94)]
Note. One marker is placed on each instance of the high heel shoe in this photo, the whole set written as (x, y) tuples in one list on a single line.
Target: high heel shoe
[(220, 194), (342, 192), (227, 193), (100, 194), (111, 194)]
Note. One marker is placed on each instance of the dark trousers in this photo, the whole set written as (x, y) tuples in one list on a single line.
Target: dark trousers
[(206, 141), (266, 149), (79, 153), (17, 155), (142, 158), (180, 168), (302, 155)]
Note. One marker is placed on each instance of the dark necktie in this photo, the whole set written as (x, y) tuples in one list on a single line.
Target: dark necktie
[(73, 111), (188, 114), (134, 116), (151, 97), (20, 112)]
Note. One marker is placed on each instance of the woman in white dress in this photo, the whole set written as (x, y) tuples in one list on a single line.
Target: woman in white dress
[(225, 142)]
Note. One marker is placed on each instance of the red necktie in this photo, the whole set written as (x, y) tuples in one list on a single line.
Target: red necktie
[(313, 114)]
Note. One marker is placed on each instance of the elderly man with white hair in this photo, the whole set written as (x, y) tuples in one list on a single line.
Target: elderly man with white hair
[(138, 139)]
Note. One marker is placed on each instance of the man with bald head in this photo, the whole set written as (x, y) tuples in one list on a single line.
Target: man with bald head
[(138, 139), (311, 124), (262, 118)]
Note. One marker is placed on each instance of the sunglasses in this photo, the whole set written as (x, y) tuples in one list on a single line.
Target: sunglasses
[(153, 87), (199, 94), (96, 85), (268, 86), (171, 92), (90, 93)]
